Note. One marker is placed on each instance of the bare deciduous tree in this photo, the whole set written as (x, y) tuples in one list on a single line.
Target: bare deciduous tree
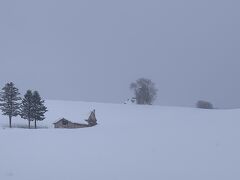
[(144, 90)]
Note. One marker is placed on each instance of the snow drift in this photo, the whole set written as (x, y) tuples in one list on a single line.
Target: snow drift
[(130, 142)]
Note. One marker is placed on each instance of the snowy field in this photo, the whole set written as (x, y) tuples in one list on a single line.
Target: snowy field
[(130, 143)]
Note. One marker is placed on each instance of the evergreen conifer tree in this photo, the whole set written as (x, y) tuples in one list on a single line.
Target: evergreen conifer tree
[(27, 107), (39, 109), (9, 101)]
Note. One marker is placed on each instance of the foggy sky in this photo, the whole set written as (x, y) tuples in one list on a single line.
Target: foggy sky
[(91, 50)]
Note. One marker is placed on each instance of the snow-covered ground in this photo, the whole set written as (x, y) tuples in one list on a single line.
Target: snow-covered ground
[(131, 142)]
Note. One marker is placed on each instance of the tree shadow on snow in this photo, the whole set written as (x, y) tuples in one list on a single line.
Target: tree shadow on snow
[(22, 126)]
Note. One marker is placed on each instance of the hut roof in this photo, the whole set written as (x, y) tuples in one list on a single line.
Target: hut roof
[(61, 119)]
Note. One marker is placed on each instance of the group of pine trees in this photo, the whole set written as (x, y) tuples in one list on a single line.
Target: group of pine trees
[(31, 107)]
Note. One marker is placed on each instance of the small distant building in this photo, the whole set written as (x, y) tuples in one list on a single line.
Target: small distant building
[(64, 123)]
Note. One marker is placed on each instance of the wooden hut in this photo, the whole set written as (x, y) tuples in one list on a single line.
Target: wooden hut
[(64, 123)]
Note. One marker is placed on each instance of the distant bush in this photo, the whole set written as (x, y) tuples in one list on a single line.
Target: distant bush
[(204, 105)]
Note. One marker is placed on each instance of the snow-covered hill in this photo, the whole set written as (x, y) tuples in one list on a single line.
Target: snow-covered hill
[(131, 142)]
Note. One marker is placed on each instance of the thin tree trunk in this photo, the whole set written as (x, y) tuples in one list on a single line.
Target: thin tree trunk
[(35, 124), (28, 124), (10, 121)]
